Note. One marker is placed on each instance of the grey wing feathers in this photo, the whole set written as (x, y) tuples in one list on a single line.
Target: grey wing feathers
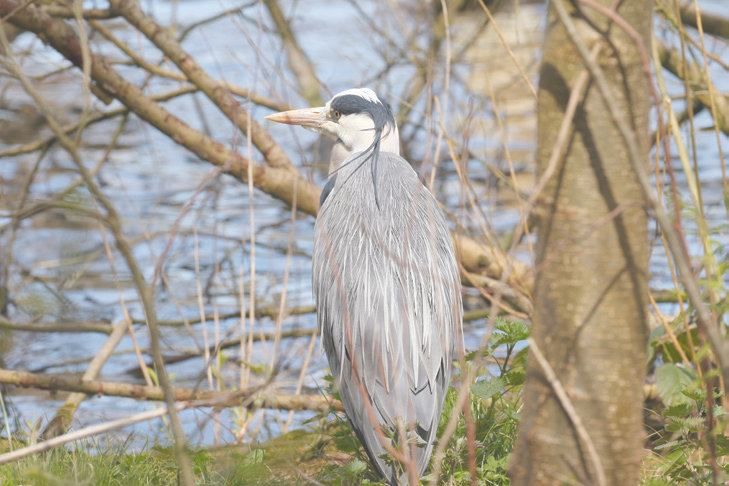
[(387, 291)]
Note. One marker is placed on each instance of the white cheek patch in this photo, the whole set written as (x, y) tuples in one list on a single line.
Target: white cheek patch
[(357, 122), (330, 128), (356, 131), (345, 136)]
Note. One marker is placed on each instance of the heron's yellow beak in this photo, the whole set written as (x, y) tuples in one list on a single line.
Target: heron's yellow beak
[(306, 117)]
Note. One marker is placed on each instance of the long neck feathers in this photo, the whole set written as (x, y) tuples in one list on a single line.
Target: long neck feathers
[(386, 140)]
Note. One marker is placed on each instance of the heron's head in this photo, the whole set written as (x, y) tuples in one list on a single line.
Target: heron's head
[(356, 119)]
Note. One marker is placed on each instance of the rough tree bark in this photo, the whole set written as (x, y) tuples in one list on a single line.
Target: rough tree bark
[(592, 264)]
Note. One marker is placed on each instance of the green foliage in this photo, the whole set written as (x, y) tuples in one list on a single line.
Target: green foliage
[(509, 332), (112, 467), (683, 430), (686, 422), (672, 382), (327, 451), (486, 389), (495, 421), (494, 403)]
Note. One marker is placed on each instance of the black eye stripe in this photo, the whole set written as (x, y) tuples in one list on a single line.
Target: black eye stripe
[(349, 104)]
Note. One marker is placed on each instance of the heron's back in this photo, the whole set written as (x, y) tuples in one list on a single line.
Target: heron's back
[(388, 298)]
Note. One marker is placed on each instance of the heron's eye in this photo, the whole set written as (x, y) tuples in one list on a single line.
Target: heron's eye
[(336, 114)]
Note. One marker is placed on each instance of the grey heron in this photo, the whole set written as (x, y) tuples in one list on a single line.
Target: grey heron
[(385, 281)]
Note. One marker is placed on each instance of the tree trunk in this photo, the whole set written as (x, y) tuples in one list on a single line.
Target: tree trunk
[(592, 264)]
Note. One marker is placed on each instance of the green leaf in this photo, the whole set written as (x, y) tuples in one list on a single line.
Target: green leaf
[(680, 410), (657, 482), (685, 425), (722, 445), (661, 342), (656, 334), (488, 388), (153, 376), (672, 381), (509, 332), (356, 467), (258, 368)]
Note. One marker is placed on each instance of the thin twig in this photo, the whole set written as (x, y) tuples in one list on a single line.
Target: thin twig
[(299, 63), (84, 433), (213, 18), (508, 48), (61, 421)]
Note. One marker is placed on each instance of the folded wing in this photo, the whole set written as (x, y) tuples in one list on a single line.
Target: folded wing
[(388, 298)]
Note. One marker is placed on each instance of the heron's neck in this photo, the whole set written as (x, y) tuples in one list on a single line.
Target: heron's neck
[(389, 142)]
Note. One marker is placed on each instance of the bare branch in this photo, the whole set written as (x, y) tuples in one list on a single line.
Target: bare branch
[(214, 90), (712, 24), (60, 423), (300, 64), (283, 184), (64, 12), (56, 327), (257, 397), (114, 224), (672, 60), (83, 433)]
